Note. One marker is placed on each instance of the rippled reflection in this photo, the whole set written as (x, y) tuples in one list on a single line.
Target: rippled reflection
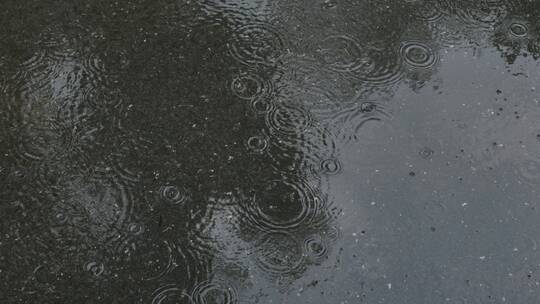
[(197, 151)]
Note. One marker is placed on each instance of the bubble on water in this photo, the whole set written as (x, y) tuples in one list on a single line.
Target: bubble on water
[(281, 204), (170, 294), (257, 43), (257, 144), (315, 249), (279, 253), (173, 195), (210, 292), (418, 55), (95, 268)]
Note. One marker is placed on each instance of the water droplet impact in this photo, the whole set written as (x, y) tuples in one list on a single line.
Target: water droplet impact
[(518, 29), (95, 268), (247, 86), (282, 205), (173, 195), (61, 218), (368, 107), (136, 229), (170, 294), (152, 260), (257, 43), (478, 15), (279, 253), (315, 249), (418, 55), (429, 10), (257, 144), (426, 152), (288, 120), (341, 53), (331, 166), (262, 104), (214, 292), (43, 274)]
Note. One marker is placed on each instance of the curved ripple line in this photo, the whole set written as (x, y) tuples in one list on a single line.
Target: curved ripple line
[(173, 195), (279, 253), (283, 205), (315, 249), (249, 86), (257, 43), (429, 10), (341, 53), (418, 55), (170, 294), (483, 14), (288, 119), (214, 292)]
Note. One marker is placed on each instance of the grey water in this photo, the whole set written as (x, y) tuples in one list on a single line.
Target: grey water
[(257, 151)]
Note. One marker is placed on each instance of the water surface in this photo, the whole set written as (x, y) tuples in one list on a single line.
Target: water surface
[(235, 151)]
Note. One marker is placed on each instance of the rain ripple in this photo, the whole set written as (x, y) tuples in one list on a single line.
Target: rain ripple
[(283, 205), (214, 292), (279, 253), (258, 43), (170, 294)]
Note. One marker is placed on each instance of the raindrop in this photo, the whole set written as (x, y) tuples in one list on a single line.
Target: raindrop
[(518, 29), (283, 205), (288, 119), (418, 55), (426, 152), (173, 195), (429, 10), (257, 143), (279, 253), (43, 274), (136, 229), (368, 107), (61, 218), (170, 294), (262, 104), (257, 43), (95, 268), (315, 249), (341, 53), (331, 166), (247, 86), (211, 292)]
